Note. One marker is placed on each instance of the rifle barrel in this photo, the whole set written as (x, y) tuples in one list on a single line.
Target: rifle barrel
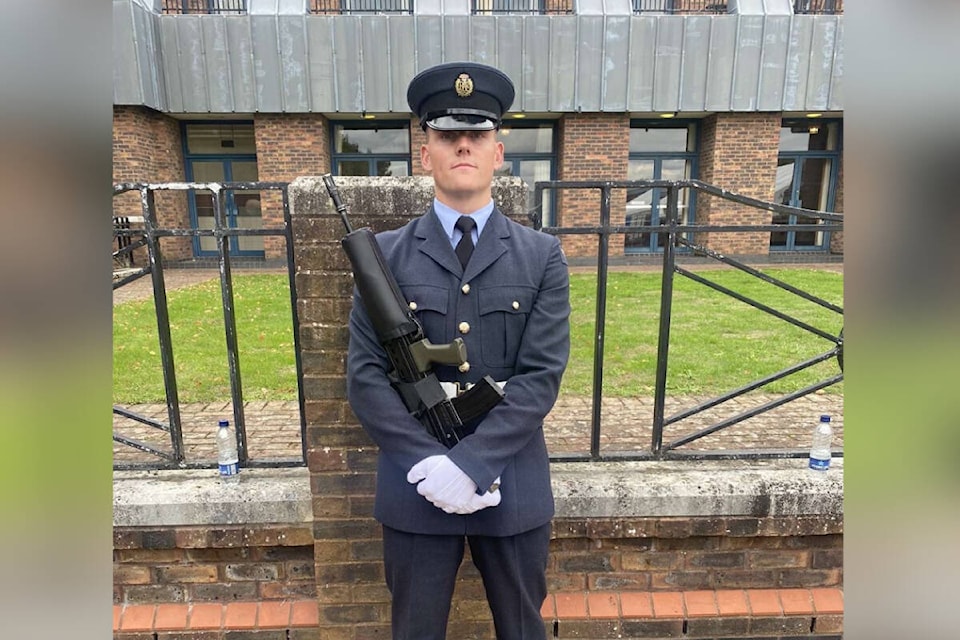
[(337, 202)]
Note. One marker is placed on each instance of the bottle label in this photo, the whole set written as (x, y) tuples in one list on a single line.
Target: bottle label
[(819, 464), (229, 469)]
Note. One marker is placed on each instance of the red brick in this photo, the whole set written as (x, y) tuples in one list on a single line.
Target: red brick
[(827, 600), (274, 614), (171, 616), (240, 615), (636, 604), (548, 610), (796, 602), (206, 616), (137, 617), (700, 603), (764, 602), (667, 604), (116, 616), (571, 605), (732, 602), (603, 605)]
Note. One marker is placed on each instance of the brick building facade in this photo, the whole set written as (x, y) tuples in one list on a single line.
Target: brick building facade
[(737, 152), (752, 87)]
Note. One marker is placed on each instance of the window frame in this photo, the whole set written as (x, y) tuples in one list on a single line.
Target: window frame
[(549, 217), (658, 156), (231, 209), (799, 157), (371, 158)]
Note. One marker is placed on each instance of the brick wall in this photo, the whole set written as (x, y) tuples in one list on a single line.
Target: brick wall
[(288, 146), (592, 146), (147, 148), (692, 553), (738, 152), (418, 137), (212, 564)]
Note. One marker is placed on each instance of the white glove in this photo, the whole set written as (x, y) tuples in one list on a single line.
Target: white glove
[(447, 487)]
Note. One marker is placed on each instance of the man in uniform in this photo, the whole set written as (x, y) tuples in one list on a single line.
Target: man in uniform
[(469, 272)]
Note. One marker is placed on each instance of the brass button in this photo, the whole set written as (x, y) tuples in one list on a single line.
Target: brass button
[(412, 305), (464, 367), (516, 305), (465, 288), (464, 327), (494, 487)]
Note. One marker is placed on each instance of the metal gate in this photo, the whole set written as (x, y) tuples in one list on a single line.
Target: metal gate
[(128, 240), (678, 235)]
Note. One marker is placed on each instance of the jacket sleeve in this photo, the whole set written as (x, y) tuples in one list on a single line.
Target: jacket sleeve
[(376, 403), (533, 388)]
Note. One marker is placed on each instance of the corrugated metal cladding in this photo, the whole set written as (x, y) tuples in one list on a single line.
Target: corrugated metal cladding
[(351, 64)]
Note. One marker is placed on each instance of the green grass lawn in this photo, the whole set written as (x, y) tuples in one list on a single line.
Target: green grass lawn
[(717, 343), (264, 335)]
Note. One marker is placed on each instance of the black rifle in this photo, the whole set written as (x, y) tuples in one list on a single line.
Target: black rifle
[(401, 335)]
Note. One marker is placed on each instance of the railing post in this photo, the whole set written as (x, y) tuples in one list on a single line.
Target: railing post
[(666, 306), (603, 252), (229, 320), (148, 205), (292, 280)]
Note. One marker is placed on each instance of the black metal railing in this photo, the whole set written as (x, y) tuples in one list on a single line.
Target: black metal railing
[(680, 240), (679, 6), (360, 7), (181, 7), (149, 237), (828, 7), (678, 237), (128, 240)]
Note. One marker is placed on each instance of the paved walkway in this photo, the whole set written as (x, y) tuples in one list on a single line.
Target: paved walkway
[(273, 428)]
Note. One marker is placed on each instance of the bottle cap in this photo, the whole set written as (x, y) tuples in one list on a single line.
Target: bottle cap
[(824, 418), (224, 423)]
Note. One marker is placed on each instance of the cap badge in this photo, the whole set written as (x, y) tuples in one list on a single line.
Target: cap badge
[(463, 85)]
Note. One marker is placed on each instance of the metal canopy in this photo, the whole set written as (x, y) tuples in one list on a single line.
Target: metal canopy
[(226, 64)]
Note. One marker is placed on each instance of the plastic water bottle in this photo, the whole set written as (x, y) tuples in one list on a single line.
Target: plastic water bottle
[(227, 457), (822, 441)]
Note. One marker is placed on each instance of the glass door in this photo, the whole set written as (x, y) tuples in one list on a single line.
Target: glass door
[(648, 207), (801, 182), (242, 207)]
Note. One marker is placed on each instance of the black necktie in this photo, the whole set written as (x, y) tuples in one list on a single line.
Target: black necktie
[(465, 246)]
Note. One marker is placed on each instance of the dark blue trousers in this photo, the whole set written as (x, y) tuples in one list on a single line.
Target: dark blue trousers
[(421, 572)]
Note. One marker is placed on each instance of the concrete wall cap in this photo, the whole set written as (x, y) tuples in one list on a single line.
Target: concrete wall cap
[(199, 497), (703, 488)]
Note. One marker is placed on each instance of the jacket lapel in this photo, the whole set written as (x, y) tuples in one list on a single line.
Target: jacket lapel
[(435, 243), (491, 245)]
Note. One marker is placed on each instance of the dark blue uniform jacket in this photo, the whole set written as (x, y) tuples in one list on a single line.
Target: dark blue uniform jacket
[(514, 299)]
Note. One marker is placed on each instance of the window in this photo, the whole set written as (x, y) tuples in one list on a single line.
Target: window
[(679, 6), (806, 178), (658, 151), (487, 7), (204, 6), (353, 7), (223, 152), (818, 6), (528, 152), (364, 149)]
